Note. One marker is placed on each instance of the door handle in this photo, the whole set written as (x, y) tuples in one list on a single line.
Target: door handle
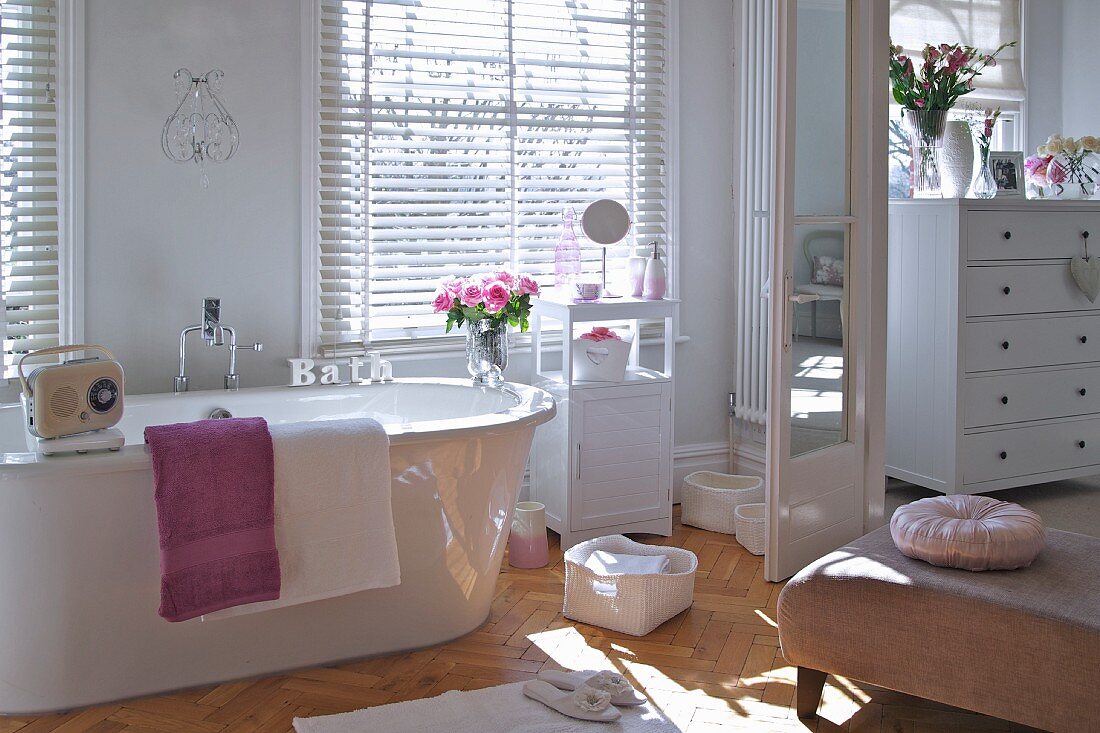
[(803, 298)]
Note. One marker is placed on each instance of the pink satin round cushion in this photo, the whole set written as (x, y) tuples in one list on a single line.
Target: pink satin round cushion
[(968, 532)]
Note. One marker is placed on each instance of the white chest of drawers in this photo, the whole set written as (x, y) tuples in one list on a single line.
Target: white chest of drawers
[(993, 355)]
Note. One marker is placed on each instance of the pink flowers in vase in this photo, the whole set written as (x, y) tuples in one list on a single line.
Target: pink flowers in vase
[(946, 73), (502, 296), (1035, 170)]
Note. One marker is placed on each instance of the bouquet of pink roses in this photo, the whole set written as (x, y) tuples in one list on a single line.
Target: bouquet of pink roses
[(500, 296)]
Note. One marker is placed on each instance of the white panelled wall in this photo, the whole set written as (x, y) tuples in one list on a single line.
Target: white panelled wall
[(157, 243)]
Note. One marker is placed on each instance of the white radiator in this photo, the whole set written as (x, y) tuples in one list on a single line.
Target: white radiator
[(756, 57)]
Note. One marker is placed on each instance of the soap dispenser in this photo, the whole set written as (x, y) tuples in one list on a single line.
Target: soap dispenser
[(655, 280)]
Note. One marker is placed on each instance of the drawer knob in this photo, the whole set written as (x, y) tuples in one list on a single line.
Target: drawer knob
[(1006, 290), (1008, 235), (1084, 339), (1004, 399), (1080, 444), (1085, 234), (1004, 455), (1004, 345), (1082, 391)]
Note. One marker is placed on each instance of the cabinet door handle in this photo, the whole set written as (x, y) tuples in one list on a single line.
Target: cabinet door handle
[(1004, 345), (1085, 234), (1080, 444), (1004, 455), (578, 460), (1082, 391), (1006, 290), (1084, 339), (1004, 399), (1008, 235)]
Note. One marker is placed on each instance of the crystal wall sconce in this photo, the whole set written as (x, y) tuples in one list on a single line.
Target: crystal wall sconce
[(201, 128)]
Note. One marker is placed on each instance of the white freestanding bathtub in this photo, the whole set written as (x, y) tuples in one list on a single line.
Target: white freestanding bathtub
[(79, 557)]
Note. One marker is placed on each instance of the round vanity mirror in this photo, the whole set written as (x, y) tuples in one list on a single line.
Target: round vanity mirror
[(605, 222)]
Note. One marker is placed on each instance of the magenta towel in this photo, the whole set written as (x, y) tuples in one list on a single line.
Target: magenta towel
[(215, 497)]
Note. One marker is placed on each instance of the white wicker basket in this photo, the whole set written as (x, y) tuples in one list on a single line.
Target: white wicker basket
[(631, 604), (707, 499), (750, 527)]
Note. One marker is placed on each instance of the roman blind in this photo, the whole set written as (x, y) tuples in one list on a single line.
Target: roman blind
[(29, 197), (453, 135), (984, 24)]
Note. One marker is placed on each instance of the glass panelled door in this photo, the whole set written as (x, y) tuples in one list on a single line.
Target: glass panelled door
[(822, 332)]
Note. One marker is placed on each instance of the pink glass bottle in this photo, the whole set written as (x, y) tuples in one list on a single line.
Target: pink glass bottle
[(567, 255)]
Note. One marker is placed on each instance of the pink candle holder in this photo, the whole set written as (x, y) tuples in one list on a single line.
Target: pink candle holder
[(527, 546)]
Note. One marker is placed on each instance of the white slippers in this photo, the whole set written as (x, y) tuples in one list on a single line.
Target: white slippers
[(585, 703), (621, 691)]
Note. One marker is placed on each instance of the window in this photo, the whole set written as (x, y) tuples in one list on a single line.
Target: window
[(985, 24), (29, 231), (451, 137)]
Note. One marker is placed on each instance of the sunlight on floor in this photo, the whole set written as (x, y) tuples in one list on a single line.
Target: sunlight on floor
[(704, 701), (821, 367), (805, 402)]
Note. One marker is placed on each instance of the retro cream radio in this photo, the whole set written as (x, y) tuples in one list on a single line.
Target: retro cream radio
[(72, 397)]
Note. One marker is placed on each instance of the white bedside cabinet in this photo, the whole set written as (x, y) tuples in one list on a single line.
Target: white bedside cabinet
[(603, 465)]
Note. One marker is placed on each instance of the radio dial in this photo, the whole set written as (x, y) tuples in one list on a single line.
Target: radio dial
[(103, 395)]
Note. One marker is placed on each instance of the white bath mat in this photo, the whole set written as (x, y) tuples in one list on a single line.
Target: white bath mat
[(489, 710)]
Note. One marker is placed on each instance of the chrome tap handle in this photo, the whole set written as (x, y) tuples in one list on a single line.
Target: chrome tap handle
[(211, 320), (248, 347)]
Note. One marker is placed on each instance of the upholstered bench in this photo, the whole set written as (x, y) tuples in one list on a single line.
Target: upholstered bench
[(1023, 645)]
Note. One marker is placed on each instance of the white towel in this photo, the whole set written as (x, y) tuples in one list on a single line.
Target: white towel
[(612, 563), (333, 519)]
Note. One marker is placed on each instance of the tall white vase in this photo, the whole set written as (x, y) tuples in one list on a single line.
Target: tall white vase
[(957, 159)]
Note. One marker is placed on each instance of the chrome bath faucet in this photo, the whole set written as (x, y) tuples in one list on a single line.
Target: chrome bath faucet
[(213, 334)]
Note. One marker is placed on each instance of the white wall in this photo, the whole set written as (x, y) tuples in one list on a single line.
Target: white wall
[(156, 242), (1043, 70), (707, 233), (1081, 67)]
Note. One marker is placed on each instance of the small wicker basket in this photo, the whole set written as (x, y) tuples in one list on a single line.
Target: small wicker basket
[(630, 604), (708, 499), (750, 527)]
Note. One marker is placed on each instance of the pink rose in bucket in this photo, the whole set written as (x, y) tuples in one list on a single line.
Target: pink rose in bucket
[(497, 296), (453, 286), (472, 294), (444, 299), (527, 286)]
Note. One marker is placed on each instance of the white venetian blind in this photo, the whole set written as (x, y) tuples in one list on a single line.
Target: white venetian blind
[(984, 24), (29, 196), (452, 135)]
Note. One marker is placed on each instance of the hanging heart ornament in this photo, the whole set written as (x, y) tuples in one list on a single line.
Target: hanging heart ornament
[(1086, 273)]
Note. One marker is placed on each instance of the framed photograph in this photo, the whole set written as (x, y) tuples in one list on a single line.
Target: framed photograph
[(1008, 171)]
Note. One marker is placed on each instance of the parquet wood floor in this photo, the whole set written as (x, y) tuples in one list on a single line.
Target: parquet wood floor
[(715, 668)]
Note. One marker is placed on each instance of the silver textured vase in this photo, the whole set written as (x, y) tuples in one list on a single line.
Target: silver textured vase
[(957, 159), (487, 351)]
